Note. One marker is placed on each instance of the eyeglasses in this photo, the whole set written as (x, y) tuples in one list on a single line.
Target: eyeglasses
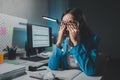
[(63, 23)]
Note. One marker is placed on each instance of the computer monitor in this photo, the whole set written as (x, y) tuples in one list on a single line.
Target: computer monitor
[(39, 37), (19, 38)]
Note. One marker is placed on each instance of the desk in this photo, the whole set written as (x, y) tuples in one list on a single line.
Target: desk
[(66, 74), (83, 76)]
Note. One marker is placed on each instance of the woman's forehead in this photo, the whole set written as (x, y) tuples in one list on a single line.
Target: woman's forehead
[(68, 17)]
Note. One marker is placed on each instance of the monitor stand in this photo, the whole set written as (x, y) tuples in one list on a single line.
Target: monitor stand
[(34, 58)]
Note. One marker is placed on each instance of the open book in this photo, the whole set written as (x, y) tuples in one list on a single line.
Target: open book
[(66, 74), (62, 75), (11, 71)]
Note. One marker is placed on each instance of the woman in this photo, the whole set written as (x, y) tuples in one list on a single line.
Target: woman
[(74, 39)]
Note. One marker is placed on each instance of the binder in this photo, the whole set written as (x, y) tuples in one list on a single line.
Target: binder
[(10, 71)]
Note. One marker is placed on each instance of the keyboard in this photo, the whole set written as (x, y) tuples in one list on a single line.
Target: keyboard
[(34, 59)]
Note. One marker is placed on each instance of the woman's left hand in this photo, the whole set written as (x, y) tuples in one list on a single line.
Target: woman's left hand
[(73, 33)]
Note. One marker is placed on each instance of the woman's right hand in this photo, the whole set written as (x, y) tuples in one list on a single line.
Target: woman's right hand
[(61, 35)]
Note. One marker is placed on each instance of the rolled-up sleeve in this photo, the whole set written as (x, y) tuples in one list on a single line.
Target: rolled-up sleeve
[(85, 58), (58, 59)]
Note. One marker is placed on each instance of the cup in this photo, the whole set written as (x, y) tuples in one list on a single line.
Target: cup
[(12, 54), (1, 58)]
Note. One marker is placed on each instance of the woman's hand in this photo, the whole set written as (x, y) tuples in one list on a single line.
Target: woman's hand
[(73, 33), (61, 35)]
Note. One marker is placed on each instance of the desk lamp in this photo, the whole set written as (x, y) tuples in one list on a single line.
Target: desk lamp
[(51, 19)]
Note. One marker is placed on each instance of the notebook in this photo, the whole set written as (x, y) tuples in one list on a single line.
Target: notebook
[(11, 71), (62, 75)]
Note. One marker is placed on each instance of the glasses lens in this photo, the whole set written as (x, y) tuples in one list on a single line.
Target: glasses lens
[(69, 23)]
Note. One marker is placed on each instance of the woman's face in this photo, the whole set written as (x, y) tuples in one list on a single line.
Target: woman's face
[(67, 20)]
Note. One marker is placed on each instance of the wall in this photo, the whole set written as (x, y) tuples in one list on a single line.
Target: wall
[(29, 9), (7, 29), (103, 18), (56, 9)]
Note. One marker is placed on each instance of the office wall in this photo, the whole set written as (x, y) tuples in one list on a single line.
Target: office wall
[(56, 9), (7, 27), (28, 9), (103, 18)]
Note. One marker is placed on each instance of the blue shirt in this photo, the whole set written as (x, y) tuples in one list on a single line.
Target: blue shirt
[(85, 54)]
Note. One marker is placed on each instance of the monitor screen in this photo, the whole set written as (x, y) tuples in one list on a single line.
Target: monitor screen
[(19, 37), (39, 37)]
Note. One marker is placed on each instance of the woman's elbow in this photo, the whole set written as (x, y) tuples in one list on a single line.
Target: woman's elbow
[(52, 67), (90, 72)]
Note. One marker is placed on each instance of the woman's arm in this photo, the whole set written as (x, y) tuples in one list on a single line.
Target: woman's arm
[(58, 59), (86, 58)]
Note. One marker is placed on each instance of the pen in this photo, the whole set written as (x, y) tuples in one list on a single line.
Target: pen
[(41, 69), (35, 77)]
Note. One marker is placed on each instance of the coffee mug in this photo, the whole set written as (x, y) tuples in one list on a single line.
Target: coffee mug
[(1, 58)]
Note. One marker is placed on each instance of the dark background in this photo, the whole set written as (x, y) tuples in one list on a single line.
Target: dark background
[(103, 17)]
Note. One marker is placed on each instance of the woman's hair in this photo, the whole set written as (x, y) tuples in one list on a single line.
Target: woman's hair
[(85, 32)]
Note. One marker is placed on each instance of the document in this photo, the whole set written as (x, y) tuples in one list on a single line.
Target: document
[(66, 74), (11, 70), (62, 75)]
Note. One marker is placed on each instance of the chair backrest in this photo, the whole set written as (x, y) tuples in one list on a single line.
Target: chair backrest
[(112, 69), (100, 63)]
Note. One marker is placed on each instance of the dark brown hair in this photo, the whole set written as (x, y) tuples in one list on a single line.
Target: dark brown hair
[(85, 32)]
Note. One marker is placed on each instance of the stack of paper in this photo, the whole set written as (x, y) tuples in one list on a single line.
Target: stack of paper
[(62, 75), (66, 74), (10, 71)]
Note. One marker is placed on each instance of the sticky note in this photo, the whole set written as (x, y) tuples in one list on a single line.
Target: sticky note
[(10, 31), (3, 30), (13, 62)]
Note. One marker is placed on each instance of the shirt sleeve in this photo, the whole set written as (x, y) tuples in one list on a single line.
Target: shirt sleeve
[(57, 59), (86, 58)]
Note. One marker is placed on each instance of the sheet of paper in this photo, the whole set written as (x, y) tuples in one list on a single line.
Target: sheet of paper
[(5, 67)]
